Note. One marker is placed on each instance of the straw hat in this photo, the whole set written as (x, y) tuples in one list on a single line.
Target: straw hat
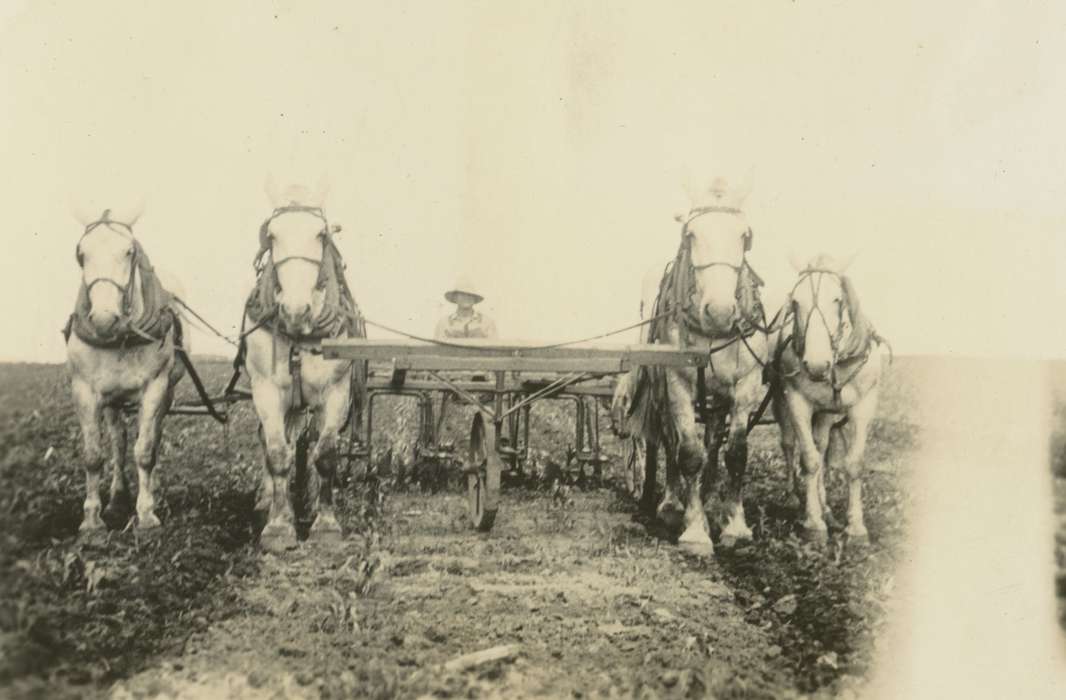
[(464, 285)]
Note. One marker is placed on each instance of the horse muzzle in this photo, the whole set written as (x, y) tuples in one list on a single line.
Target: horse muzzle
[(296, 322), (104, 322), (818, 371), (718, 317)]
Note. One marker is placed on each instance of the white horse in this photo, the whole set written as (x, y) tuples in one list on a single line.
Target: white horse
[(706, 299), (121, 342), (829, 366), (300, 298)]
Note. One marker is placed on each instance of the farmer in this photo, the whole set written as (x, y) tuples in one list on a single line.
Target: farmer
[(465, 322)]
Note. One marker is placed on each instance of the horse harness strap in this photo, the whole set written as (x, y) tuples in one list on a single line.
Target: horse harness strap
[(338, 316), (850, 362), (156, 318)]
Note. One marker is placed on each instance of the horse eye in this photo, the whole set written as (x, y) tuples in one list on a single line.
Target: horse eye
[(129, 253)]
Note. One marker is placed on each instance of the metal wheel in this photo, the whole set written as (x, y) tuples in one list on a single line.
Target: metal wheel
[(483, 469)]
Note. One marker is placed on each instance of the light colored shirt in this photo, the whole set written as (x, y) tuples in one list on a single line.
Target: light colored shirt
[(476, 325)]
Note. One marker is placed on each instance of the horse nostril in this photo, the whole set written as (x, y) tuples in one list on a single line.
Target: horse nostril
[(103, 320), (816, 369)]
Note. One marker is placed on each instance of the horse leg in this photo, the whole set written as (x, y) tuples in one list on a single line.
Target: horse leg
[(691, 460), (651, 476), (800, 413), (821, 429), (279, 533), (154, 404), (859, 418), (324, 458), (118, 505), (736, 460), (265, 492), (89, 409), (670, 509), (709, 480), (791, 454)]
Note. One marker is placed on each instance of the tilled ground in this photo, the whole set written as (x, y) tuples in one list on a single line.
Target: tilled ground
[(1057, 453), (585, 596)]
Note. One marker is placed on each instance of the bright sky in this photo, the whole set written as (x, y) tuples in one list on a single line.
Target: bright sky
[(543, 146)]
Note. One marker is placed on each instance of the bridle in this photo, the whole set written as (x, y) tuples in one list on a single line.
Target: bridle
[(837, 338), (689, 268), (267, 245), (330, 277), (126, 290), (687, 235)]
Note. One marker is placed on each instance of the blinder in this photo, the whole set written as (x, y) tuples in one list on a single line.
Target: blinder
[(799, 337)]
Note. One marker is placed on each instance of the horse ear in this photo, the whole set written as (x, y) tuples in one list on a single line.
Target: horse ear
[(131, 215), (272, 192), (80, 214)]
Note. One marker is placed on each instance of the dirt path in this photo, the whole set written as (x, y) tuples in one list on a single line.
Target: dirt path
[(594, 602), (595, 607)]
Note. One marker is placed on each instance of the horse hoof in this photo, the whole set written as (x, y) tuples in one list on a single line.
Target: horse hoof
[(858, 539), (671, 514), (148, 521), (704, 550), (278, 538), (729, 540), (815, 535), (119, 507), (329, 536), (92, 536)]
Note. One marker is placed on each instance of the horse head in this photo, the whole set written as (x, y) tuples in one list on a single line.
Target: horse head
[(296, 236), (107, 253), (715, 239), (825, 310)]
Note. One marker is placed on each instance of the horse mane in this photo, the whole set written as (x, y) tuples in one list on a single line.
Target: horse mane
[(861, 327)]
